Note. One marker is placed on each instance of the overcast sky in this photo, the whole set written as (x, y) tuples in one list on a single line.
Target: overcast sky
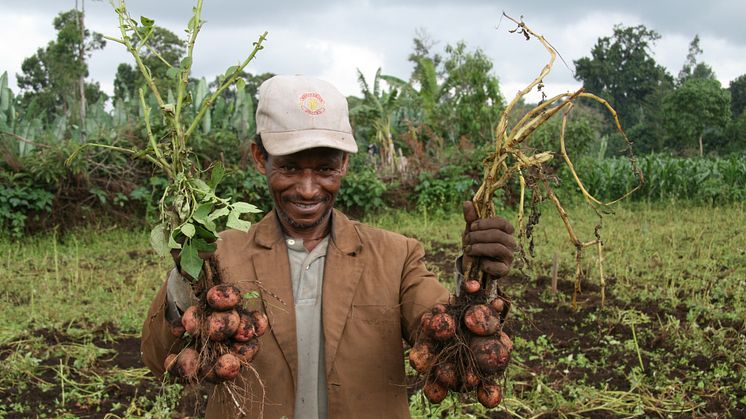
[(331, 39)]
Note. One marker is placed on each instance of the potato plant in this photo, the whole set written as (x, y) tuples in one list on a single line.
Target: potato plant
[(190, 210), (461, 346), (220, 335)]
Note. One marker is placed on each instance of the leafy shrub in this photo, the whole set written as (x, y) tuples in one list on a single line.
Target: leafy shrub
[(444, 191), (361, 191), (20, 200)]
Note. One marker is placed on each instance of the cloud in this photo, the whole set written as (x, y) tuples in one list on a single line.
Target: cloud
[(331, 39)]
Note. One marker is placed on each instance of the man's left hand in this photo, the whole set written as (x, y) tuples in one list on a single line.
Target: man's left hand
[(489, 239)]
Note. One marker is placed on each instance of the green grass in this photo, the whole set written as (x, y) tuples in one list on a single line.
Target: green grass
[(675, 301)]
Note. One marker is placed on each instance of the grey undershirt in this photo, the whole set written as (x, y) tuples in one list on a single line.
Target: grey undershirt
[(307, 274)]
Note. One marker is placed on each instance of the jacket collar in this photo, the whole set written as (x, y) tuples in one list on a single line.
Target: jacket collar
[(344, 235)]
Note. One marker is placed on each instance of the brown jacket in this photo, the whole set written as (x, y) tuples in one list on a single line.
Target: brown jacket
[(375, 288)]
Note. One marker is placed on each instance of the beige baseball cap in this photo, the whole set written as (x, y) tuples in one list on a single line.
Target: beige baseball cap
[(297, 113)]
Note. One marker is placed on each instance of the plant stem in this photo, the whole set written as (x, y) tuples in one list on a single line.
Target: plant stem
[(184, 74), (140, 64), (637, 347), (228, 81)]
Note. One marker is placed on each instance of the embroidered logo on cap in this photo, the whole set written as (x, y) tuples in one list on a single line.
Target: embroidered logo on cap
[(312, 103)]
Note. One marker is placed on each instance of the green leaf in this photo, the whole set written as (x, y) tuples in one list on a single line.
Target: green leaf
[(217, 174), (220, 212), (201, 185), (250, 294), (172, 72), (236, 223), (186, 63), (209, 234), (147, 22), (173, 244), (240, 83), (188, 230), (158, 240), (190, 261), (202, 212), (203, 246), (232, 69), (245, 207)]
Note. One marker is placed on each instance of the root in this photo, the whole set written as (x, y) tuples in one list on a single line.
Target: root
[(509, 162)]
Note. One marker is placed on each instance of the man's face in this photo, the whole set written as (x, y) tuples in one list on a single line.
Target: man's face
[(303, 185)]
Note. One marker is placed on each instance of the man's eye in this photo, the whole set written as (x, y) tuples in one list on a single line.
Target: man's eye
[(288, 168)]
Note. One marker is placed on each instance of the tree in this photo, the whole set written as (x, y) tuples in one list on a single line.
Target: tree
[(377, 108), (737, 89), (692, 68), (621, 69), (469, 102), (52, 75), (697, 107), (164, 49)]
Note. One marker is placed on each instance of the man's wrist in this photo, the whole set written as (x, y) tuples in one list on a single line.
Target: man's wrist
[(179, 296)]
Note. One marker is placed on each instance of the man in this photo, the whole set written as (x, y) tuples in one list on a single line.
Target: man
[(340, 295)]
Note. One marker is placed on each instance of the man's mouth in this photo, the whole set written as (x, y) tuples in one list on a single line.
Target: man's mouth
[(306, 205)]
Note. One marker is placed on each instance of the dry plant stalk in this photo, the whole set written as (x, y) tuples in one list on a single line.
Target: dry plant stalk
[(509, 162)]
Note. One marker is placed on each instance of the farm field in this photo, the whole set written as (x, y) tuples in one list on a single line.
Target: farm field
[(670, 341)]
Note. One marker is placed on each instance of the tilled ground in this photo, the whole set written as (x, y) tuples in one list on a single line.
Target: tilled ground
[(91, 371)]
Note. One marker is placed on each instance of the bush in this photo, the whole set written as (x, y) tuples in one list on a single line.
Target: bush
[(445, 190), (19, 200), (361, 192)]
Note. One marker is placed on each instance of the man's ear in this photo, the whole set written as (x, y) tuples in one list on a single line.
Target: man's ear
[(259, 160), (345, 163)]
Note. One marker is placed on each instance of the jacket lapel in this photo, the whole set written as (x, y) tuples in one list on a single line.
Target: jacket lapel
[(342, 272), (273, 271)]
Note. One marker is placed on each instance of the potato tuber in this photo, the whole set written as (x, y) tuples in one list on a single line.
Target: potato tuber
[(190, 320), (482, 320), (188, 363), (261, 323), (223, 297), (490, 354), (222, 325), (421, 356), (490, 395), (435, 391), (445, 373), (442, 326), (246, 351), (227, 367), (471, 286), (245, 331)]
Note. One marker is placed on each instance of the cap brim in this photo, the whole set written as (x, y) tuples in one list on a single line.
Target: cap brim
[(289, 142)]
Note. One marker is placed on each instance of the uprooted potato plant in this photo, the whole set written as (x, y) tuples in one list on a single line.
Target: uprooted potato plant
[(461, 346), (218, 334)]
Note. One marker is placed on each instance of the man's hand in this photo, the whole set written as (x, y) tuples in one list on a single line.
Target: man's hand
[(179, 292), (489, 239)]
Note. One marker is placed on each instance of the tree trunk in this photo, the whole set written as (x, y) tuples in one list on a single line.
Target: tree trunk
[(701, 148), (81, 58)]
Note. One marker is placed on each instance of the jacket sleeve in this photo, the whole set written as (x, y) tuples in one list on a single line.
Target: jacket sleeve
[(157, 341), (420, 290)]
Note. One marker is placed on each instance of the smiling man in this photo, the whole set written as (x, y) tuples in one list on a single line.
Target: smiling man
[(340, 295)]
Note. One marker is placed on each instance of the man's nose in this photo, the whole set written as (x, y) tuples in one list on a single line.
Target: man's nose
[(307, 185)]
